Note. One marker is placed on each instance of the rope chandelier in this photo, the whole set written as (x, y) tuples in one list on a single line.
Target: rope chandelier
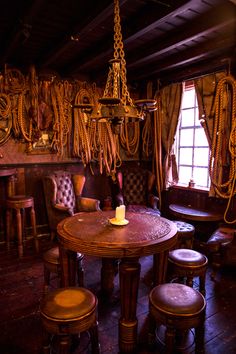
[(116, 105)]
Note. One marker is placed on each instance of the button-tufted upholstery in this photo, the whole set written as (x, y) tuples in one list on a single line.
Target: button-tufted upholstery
[(136, 190), (62, 192), (65, 191)]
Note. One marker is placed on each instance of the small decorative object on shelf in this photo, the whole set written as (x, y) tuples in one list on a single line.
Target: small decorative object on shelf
[(191, 183)]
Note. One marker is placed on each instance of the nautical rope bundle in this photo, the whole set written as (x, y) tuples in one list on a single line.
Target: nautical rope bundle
[(224, 188)]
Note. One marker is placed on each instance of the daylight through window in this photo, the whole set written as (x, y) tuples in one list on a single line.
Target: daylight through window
[(192, 149)]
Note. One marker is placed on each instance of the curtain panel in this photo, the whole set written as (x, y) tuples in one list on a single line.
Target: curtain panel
[(165, 125)]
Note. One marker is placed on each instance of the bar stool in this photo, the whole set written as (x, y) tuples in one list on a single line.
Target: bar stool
[(185, 234), (19, 203), (68, 311), (51, 263), (179, 308), (186, 263)]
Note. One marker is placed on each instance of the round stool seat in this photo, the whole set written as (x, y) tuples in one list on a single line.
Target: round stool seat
[(187, 257), (19, 201), (177, 299), (68, 304), (179, 308), (185, 234), (68, 311), (187, 263)]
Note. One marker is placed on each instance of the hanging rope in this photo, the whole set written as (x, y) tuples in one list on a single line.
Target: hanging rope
[(226, 189)]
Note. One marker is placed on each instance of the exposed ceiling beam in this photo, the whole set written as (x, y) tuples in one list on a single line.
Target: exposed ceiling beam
[(91, 26), (182, 39), (190, 56)]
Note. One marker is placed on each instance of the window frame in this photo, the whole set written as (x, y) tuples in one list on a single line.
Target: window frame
[(188, 85)]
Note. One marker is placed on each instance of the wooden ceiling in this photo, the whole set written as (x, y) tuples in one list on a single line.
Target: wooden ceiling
[(169, 40)]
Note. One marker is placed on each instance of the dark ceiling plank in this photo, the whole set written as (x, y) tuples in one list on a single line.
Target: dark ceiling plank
[(91, 26), (210, 49), (175, 42), (97, 56)]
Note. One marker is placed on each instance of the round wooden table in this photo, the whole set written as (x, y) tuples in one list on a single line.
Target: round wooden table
[(93, 234), (194, 214)]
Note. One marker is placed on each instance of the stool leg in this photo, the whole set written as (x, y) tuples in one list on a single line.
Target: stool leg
[(64, 346), (8, 228), (19, 233), (199, 337), (46, 342), (202, 284), (151, 331), (94, 338), (169, 339), (33, 224), (80, 271), (189, 281)]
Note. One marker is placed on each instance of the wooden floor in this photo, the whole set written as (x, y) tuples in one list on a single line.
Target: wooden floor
[(21, 283)]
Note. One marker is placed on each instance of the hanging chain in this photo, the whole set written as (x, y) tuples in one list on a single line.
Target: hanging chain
[(119, 54)]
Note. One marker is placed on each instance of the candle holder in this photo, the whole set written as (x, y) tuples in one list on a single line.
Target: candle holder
[(119, 218)]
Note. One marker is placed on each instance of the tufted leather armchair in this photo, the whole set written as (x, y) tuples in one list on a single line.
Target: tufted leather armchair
[(62, 192), (221, 248), (135, 190)]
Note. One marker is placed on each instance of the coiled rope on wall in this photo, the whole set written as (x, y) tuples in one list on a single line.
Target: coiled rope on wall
[(5, 118), (81, 141), (130, 137), (224, 188)]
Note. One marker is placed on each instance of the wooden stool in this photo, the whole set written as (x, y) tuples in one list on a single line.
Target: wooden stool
[(185, 234), (68, 311), (179, 308), (51, 262), (186, 263), (19, 203)]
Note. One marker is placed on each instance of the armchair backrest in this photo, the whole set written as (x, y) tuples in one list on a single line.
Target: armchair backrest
[(136, 184), (62, 193), (63, 190)]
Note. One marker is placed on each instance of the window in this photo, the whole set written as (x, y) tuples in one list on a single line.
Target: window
[(192, 149)]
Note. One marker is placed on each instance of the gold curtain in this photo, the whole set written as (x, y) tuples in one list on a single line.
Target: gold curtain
[(206, 96), (206, 90), (165, 124)]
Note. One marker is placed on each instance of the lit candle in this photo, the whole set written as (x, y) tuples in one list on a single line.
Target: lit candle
[(120, 213)]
